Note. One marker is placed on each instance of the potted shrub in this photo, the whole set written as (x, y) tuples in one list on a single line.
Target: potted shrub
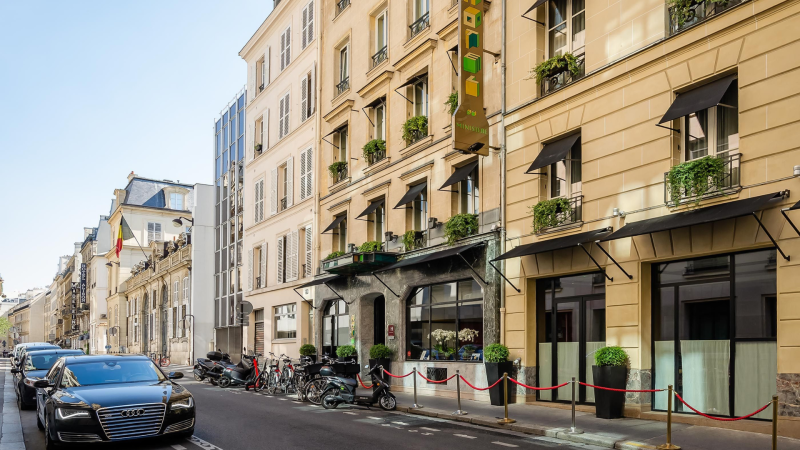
[(497, 363), (546, 213), (334, 255), (346, 353), (374, 150), (695, 178), (380, 354), (610, 370), (258, 148), (310, 351), (459, 227), (556, 65), (371, 246), (338, 170), (415, 129), (412, 239)]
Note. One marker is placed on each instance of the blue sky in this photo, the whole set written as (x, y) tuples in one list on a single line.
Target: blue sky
[(92, 90)]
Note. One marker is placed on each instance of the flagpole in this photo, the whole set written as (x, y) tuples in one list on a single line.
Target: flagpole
[(122, 219)]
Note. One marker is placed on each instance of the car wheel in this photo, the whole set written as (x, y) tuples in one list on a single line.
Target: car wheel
[(39, 423), (49, 443)]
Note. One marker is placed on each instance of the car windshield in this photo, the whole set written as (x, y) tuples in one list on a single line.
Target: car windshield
[(110, 372), (40, 362)]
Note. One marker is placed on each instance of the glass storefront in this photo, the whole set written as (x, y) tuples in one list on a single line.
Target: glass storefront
[(714, 332)]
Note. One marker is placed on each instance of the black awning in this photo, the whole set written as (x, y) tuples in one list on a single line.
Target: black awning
[(698, 99), (460, 174), (412, 193), (416, 77), (536, 4), (796, 206), (335, 222), (336, 130), (318, 281), (554, 244), (454, 48), (554, 152), (700, 216), (376, 102), (371, 208), (430, 257)]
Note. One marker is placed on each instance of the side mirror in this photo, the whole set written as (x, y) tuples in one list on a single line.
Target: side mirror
[(15, 371), (42, 384), (175, 375)]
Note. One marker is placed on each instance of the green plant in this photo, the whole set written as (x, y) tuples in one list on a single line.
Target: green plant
[(682, 11), (460, 226), (372, 147), (343, 351), (258, 147), (414, 129), (337, 167), (371, 246), (308, 350), (410, 240), (695, 178), (380, 351), (546, 213), (495, 353), (452, 102), (610, 356), (556, 64), (334, 255)]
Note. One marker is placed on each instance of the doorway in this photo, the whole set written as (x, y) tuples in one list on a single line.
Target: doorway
[(379, 328)]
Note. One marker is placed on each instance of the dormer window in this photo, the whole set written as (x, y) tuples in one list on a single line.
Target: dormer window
[(176, 201)]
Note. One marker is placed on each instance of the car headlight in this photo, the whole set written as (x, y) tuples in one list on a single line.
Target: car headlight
[(182, 404), (64, 414)]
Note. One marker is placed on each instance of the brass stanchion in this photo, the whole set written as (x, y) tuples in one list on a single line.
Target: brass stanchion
[(415, 405), (505, 420), (459, 412), (573, 429), (669, 445), (774, 422)]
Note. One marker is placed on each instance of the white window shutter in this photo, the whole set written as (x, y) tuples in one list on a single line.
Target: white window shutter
[(169, 322), (261, 200), (309, 172), (250, 270), (286, 109), (305, 26), (274, 192), (310, 30), (283, 49), (290, 182), (288, 46), (255, 202), (304, 99), (313, 90), (308, 251), (265, 68), (250, 142), (302, 175), (264, 265), (265, 122), (280, 259), (280, 119)]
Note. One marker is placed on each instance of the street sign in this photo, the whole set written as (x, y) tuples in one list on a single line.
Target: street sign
[(390, 332)]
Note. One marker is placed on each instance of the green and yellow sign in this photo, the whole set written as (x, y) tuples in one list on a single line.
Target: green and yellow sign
[(471, 127)]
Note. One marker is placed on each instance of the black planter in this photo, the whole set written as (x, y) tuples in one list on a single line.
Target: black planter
[(313, 358), (387, 366), (494, 372), (609, 404), (348, 359)]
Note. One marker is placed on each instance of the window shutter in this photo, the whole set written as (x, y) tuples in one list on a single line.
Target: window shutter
[(288, 46), (256, 203), (286, 109), (274, 192), (251, 143), (265, 68), (310, 30), (263, 265), (305, 27), (280, 259), (264, 131), (303, 175), (313, 90), (290, 182), (308, 253), (250, 270), (169, 322), (159, 236), (304, 99), (283, 49), (280, 119), (309, 172)]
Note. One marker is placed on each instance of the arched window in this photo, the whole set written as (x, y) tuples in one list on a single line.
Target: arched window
[(335, 326)]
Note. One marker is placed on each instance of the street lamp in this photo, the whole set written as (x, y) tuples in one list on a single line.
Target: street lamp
[(179, 221), (111, 263)]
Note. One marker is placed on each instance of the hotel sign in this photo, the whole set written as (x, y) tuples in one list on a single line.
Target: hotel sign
[(83, 283), (471, 132)]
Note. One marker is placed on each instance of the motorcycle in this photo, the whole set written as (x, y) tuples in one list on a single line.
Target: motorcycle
[(343, 390), (212, 366), (245, 374)]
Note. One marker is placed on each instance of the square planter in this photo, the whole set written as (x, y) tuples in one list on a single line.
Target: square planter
[(494, 372), (609, 404)]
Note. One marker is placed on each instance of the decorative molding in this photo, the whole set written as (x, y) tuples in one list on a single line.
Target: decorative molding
[(377, 166), (344, 106), (376, 83), (416, 171), (339, 186), (417, 53), (419, 145), (448, 29), (343, 202), (385, 184)]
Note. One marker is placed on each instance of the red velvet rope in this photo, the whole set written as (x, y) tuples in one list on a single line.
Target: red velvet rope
[(480, 389), (538, 388), (722, 419), (620, 390), (431, 381), (397, 376), (362, 383)]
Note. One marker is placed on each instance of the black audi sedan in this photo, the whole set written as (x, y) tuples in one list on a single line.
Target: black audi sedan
[(33, 366), (103, 398)]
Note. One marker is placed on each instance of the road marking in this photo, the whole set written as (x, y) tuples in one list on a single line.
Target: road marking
[(282, 399), (465, 436), (427, 434), (374, 418), (399, 423), (202, 444), (413, 431), (179, 447), (505, 444), (386, 425), (351, 413), (429, 429)]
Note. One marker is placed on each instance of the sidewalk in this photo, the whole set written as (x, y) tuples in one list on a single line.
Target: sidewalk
[(622, 434), (10, 426)]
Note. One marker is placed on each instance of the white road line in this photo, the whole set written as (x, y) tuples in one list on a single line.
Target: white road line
[(466, 436), (179, 447), (429, 429), (374, 418), (351, 413), (202, 444), (505, 444), (427, 434), (399, 423)]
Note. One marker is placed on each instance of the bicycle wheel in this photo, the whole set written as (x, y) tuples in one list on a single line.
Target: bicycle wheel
[(260, 383), (273, 383), (299, 383), (314, 390)]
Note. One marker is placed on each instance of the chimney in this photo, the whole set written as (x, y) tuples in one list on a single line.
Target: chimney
[(78, 246), (131, 176), (87, 231)]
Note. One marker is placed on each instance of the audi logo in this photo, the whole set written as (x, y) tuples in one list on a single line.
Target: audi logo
[(131, 412)]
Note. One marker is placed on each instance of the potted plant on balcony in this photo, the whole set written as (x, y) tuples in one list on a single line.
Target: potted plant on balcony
[(610, 370), (452, 102), (415, 129), (460, 226), (373, 149), (412, 239), (334, 255), (556, 65), (546, 213), (695, 178), (347, 353), (497, 363), (682, 11), (258, 148), (309, 351), (336, 170), (370, 246), (380, 354)]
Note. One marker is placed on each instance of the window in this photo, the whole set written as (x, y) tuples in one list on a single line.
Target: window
[(285, 322), (445, 322), (335, 326), (283, 122), (419, 211), (420, 8), (306, 174), (343, 84), (286, 48), (288, 257), (257, 259), (259, 200), (261, 75), (564, 177), (176, 201), (381, 39), (342, 136), (713, 131), (264, 66), (307, 102), (185, 290), (380, 121), (468, 193), (308, 24), (260, 144), (376, 221), (340, 236), (283, 192), (566, 27), (154, 232), (420, 97)]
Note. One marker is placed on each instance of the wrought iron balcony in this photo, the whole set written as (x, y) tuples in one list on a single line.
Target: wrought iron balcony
[(728, 182), (420, 24), (341, 5), (283, 203), (342, 86), (564, 216), (558, 80), (380, 56), (339, 176), (695, 12), (378, 156)]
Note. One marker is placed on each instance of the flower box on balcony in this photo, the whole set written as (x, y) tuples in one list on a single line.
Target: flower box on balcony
[(556, 212), (414, 129), (695, 180)]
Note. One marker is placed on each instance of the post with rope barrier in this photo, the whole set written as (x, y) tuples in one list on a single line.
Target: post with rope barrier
[(669, 445), (505, 420), (573, 429), (415, 405), (774, 422), (458, 412)]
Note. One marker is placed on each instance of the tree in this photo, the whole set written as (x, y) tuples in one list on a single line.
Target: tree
[(5, 325)]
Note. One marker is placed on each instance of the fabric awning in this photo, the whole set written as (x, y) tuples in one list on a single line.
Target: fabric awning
[(411, 194), (430, 257), (413, 79), (698, 99), (460, 174), (318, 281), (453, 48), (700, 216), (376, 102), (554, 152), (336, 130), (371, 208), (796, 206), (554, 244), (335, 223), (536, 4)]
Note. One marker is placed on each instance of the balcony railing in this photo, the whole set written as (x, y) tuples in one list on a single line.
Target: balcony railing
[(729, 182), (342, 86), (567, 216), (373, 158), (380, 56), (559, 80), (339, 176), (341, 5), (697, 11), (258, 283), (283, 203), (420, 24)]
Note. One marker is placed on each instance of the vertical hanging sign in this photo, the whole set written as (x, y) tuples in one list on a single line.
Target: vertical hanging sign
[(471, 133), (83, 283)]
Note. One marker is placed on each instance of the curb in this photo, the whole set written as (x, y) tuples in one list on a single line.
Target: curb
[(538, 430)]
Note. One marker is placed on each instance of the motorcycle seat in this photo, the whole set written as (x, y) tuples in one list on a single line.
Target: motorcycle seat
[(349, 381)]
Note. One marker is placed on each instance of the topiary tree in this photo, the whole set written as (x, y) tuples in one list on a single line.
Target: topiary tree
[(495, 353), (345, 351), (610, 356), (380, 351), (308, 350)]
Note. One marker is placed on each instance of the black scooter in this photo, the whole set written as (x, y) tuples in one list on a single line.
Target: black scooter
[(212, 366), (343, 390), (245, 374)]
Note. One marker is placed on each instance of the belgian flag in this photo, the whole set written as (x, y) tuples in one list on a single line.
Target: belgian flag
[(124, 234)]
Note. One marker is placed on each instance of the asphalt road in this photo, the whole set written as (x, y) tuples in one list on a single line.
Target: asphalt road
[(232, 419)]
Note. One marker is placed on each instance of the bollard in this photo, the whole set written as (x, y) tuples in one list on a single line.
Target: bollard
[(669, 445), (459, 412), (415, 405), (774, 422), (505, 420), (573, 429)]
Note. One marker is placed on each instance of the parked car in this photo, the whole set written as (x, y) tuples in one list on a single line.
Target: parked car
[(21, 349), (33, 366)]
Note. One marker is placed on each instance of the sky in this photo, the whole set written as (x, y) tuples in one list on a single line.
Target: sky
[(92, 90)]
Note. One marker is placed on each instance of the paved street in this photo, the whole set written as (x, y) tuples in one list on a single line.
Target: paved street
[(232, 419)]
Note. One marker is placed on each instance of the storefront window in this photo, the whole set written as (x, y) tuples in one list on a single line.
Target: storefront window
[(335, 326), (445, 322)]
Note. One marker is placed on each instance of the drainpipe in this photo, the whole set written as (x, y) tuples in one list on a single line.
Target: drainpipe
[(502, 135)]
